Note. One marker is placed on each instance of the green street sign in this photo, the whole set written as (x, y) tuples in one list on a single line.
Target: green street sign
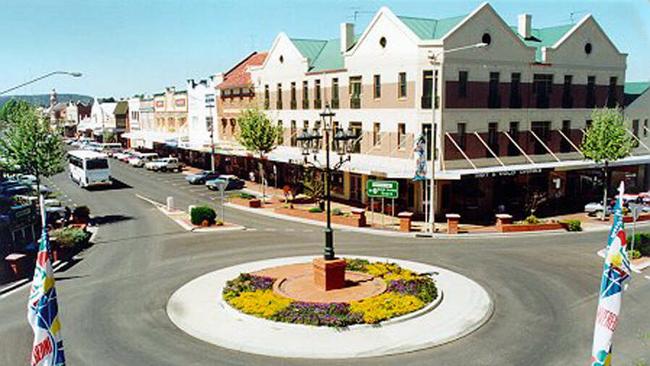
[(382, 188)]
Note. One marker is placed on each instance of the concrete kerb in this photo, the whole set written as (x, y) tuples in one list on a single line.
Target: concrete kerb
[(197, 309), (185, 225), (418, 234)]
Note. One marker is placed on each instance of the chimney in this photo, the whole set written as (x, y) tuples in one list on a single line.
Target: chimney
[(347, 36), (523, 28)]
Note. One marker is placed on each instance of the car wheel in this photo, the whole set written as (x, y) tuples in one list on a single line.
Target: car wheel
[(163, 169)]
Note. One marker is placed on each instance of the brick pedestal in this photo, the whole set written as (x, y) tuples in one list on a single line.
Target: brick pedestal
[(329, 274), (452, 223), (405, 219), (360, 214), (503, 219), (17, 263)]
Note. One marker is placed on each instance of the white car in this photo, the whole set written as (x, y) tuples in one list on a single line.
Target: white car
[(140, 159), (596, 208), (164, 164)]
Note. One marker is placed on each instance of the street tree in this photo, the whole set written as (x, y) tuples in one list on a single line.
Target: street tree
[(11, 109), (314, 186), (109, 137), (605, 141), (259, 136), (30, 145)]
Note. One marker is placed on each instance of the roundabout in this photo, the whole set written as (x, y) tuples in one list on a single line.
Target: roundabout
[(199, 309)]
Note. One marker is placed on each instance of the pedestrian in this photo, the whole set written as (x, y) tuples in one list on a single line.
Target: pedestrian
[(251, 176)]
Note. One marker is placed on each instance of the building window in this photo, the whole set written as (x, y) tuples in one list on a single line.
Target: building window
[(494, 99), (376, 86), (294, 133), (317, 94), (305, 94), (461, 135), (635, 127), (233, 126), (567, 98), (542, 86), (542, 130), (493, 138), (355, 130), (281, 134), (513, 131), (591, 92), (462, 84), (305, 125), (335, 93), (294, 103), (611, 93), (278, 103), (267, 102), (355, 92), (565, 146), (401, 92), (401, 135), (515, 87), (427, 89), (426, 132), (376, 133)]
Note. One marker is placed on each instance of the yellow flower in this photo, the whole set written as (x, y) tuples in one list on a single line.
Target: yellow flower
[(385, 306), (261, 303)]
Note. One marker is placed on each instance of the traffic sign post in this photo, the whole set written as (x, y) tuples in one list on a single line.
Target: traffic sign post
[(382, 189)]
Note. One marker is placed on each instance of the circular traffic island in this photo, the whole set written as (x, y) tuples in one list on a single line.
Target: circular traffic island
[(279, 308)]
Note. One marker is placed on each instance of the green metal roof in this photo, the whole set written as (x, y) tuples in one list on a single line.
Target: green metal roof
[(309, 48), (636, 87), (427, 28), (543, 37), (321, 54)]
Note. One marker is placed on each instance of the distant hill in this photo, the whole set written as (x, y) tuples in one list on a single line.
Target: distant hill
[(43, 100)]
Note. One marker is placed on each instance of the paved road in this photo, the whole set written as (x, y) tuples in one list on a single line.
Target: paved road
[(113, 300)]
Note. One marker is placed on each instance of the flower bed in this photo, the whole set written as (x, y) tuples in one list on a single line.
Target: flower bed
[(406, 292)]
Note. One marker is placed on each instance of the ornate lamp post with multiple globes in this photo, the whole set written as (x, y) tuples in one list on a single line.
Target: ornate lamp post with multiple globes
[(329, 272)]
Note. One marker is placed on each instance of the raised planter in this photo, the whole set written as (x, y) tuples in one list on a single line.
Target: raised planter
[(357, 219), (405, 220), (512, 228), (255, 203), (18, 264), (642, 217)]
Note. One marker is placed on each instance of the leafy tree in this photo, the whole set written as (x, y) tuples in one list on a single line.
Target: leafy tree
[(258, 135), (10, 110), (28, 143), (605, 141), (109, 137)]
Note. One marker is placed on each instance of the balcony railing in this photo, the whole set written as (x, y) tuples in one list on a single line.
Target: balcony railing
[(294, 104), (278, 104), (355, 102), (335, 103), (305, 103), (317, 104)]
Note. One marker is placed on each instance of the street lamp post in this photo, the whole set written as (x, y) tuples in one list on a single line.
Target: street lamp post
[(73, 74), (432, 145), (311, 144)]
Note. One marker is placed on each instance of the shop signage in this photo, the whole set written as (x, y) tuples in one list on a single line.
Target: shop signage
[(382, 188), (508, 173)]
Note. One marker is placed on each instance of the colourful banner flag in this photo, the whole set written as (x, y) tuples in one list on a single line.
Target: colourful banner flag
[(615, 272), (420, 150), (42, 311)]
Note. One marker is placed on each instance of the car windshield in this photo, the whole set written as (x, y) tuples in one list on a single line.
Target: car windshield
[(96, 164)]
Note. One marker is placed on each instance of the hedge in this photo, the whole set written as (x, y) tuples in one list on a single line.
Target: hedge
[(71, 237), (202, 213), (641, 243)]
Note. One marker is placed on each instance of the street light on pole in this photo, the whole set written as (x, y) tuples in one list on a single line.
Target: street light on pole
[(73, 74), (431, 228)]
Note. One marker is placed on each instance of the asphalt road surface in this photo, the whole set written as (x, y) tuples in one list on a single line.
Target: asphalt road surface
[(113, 300)]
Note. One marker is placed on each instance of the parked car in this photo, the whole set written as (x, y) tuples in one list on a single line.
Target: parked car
[(44, 189), (201, 177), (164, 164), (138, 160), (596, 208), (232, 182)]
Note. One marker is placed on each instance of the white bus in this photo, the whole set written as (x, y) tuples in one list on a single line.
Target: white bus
[(89, 168)]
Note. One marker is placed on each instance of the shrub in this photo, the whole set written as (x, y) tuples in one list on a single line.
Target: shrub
[(385, 306), (219, 222), (261, 303), (201, 213), (634, 254), (330, 314), (423, 288), (81, 213), (246, 283), (355, 264), (532, 220), (246, 196), (70, 237), (315, 210), (337, 212), (573, 225), (390, 271), (641, 243)]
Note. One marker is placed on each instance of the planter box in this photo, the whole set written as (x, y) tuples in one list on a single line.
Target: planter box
[(513, 228), (642, 217), (255, 203), (356, 220)]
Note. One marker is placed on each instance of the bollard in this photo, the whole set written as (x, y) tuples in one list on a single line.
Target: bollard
[(452, 223), (405, 221), (503, 219)]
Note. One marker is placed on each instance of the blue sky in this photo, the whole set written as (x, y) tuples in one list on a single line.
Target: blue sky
[(125, 47)]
